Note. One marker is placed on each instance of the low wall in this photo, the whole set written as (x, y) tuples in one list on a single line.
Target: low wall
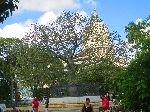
[(74, 99)]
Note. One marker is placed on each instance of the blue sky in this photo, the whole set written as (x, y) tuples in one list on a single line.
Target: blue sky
[(115, 13)]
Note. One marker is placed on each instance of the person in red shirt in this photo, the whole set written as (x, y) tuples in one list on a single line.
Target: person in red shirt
[(105, 104), (35, 105)]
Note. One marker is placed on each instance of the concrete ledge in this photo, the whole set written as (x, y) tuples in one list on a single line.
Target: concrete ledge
[(58, 106)]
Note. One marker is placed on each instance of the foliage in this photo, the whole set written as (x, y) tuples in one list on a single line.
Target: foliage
[(58, 53), (5, 89), (66, 39), (63, 38), (7, 63), (29, 65), (133, 81), (8, 47), (137, 33), (101, 73), (37, 67), (6, 8)]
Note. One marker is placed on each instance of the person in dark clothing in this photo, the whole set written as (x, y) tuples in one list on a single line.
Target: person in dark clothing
[(15, 109), (14, 106), (46, 105), (87, 107), (107, 96)]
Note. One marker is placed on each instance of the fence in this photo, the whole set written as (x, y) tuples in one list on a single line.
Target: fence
[(87, 89)]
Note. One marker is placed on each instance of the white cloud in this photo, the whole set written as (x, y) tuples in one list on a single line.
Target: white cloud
[(47, 18), (47, 5), (50, 16), (16, 30)]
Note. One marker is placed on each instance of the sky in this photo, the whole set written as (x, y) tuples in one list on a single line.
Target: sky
[(116, 14)]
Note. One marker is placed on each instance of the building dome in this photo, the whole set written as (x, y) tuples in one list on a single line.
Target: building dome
[(96, 37)]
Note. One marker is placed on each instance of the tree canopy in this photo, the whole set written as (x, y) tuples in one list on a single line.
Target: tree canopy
[(65, 51), (7, 65), (134, 80), (66, 37), (37, 67)]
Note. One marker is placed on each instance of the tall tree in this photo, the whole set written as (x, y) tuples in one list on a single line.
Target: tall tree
[(65, 38), (8, 63), (29, 65), (134, 80)]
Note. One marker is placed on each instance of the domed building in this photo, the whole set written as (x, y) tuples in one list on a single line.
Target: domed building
[(97, 45), (96, 38)]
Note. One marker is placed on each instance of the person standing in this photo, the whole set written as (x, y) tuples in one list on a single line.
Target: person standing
[(15, 109), (14, 106), (108, 96), (35, 104), (105, 104), (46, 105), (87, 107)]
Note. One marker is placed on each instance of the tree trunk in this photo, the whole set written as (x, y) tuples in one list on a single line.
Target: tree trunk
[(73, 90)]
